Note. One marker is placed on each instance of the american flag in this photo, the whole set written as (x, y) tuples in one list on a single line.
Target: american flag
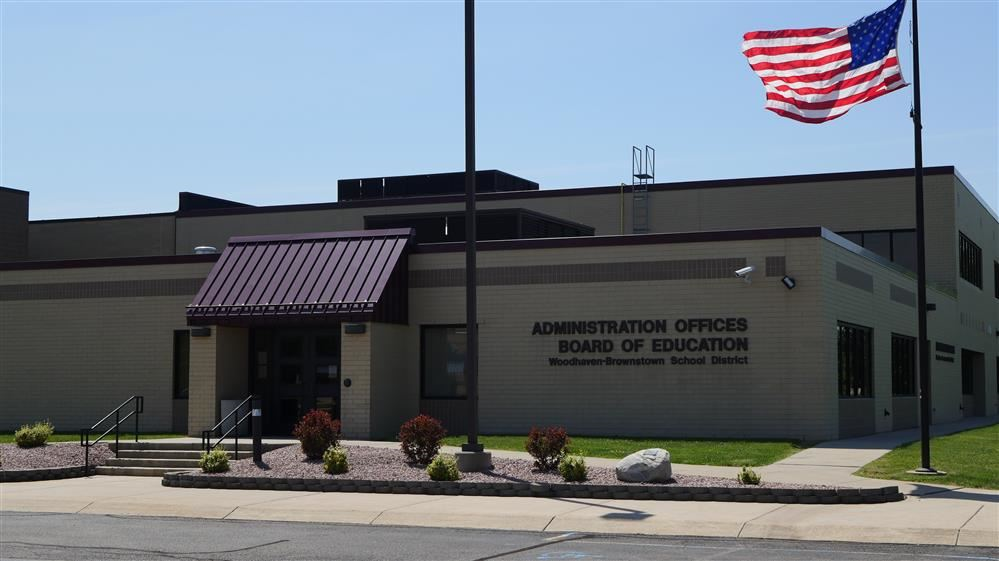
[(816, 75)]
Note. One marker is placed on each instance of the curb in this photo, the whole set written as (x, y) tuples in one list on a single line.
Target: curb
[(557, 490), (13, 476)]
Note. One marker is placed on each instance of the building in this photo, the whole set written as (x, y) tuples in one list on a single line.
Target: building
[(357, 307)]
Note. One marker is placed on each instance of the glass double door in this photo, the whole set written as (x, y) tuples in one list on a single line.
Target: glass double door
[(297, 370)]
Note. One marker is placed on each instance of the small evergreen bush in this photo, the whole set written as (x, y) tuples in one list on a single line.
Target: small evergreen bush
[(317, 431), (37, 434), (548, 445), (572, 468), (421, 438), (335, 460), (215, 461), (443, 468), (748, 476)]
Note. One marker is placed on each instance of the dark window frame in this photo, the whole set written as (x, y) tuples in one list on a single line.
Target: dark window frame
[(893, 253), (181, 371), (970, 260), (904, 358), (850, 358), (423, 362)]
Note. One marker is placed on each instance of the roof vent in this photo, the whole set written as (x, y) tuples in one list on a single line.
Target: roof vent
[(205, 250)]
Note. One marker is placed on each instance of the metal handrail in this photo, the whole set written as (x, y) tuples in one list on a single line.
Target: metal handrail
[(206, 435), (138, 402)]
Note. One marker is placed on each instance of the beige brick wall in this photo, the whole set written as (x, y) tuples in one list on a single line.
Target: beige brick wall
[(72, 360), (977, 320), (202, 406), (125, 236), (395, 392), (355, 364), (219, 370), (774, 395), (884, 316), (13, 225)]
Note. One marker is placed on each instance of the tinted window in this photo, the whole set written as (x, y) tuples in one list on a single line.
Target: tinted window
[(443, 362)]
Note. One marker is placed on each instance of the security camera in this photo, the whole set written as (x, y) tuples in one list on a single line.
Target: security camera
[(744, 272)]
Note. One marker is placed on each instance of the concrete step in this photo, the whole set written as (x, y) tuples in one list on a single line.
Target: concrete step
[(136, 471), (178, 463), (153, 445), (167, 454)]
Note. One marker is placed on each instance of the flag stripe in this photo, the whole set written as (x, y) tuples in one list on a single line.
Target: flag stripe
[(850, 79), (813, 60), (839, 99), (794, 49), (793, 41)]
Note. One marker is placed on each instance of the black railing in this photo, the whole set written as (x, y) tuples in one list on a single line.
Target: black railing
[(137, 402), (251, 403)]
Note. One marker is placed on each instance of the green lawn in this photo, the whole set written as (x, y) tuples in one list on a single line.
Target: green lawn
[(682, 451), (970, 458), (8, 437)]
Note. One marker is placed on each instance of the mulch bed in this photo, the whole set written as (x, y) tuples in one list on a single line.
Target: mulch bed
[(382, 464), (58, 455)]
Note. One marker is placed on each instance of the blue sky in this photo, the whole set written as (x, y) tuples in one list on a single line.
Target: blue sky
[(114, 107)]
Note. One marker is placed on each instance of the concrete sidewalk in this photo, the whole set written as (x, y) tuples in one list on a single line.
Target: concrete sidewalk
[(949, 518), (833, 463), (932, 514)]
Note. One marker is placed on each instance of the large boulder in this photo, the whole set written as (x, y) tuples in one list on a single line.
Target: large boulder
[(651, 465)]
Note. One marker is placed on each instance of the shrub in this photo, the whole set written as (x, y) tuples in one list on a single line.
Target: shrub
[(547, 445), (421, 438), (572, 468), (443, 468), (748, 476), (317, 431), (215, 461), (335, 460), (30, 436)]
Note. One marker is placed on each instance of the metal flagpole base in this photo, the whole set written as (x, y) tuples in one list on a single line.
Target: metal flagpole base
[(473, 461), (926, 471)]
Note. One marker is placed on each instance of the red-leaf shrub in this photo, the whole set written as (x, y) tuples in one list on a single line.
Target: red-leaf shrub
[(421, 438), (317, 431), (547, 445)]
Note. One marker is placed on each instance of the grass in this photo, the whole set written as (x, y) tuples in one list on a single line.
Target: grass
[(8, 437), (682, 451), (970, 458)]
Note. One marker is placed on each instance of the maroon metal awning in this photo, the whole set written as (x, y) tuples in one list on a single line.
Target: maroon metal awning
[(307, 278)]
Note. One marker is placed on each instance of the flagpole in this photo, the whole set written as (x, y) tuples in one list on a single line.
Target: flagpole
[(472, 457), (925, 413)]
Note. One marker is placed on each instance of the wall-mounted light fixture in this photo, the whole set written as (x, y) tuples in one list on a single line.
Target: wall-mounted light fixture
[(788, 282), (887, 413)]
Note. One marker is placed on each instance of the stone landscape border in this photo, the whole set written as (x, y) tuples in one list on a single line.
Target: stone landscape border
[(555, 490), (12, 476)]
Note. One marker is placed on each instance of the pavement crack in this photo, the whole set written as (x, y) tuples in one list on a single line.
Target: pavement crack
[(568, 538), (755, 518), (128, 550)]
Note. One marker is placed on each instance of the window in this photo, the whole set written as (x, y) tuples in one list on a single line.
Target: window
[(443, 362), (967, 372), (898, 246), (971, 261), (903, 365), (181, 364), (854, 361)]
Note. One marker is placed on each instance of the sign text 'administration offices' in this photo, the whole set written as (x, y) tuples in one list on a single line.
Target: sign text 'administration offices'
[(693, 335)]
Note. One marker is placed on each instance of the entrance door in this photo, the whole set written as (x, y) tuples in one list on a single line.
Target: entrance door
[(304, 374)]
